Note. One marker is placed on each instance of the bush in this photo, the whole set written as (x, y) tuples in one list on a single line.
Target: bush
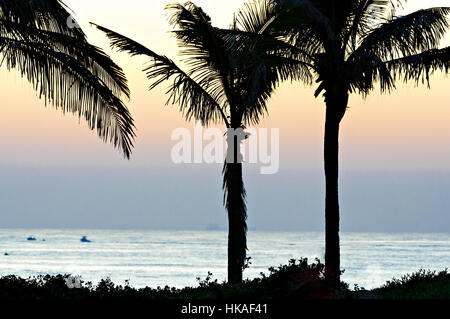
[(419, 285), (296, 279)]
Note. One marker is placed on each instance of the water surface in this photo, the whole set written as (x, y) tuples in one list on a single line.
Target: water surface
[(177, 258)]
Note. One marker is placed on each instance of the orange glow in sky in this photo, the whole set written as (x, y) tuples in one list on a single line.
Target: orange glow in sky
[(408, 129)]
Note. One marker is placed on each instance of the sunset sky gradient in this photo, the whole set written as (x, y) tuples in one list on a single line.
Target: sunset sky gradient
[(395, 150)]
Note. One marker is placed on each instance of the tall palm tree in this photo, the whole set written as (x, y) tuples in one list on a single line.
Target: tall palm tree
[(220, 86), (349, 45), (68, 72)]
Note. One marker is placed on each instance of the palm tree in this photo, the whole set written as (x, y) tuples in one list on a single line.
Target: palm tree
[(68, 72), (349, 45), (220, 86)]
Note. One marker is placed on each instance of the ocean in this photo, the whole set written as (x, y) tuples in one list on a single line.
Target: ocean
[(177, 258)]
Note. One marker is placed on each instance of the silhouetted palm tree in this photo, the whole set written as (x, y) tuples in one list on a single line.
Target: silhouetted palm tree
[(219, 86), (349, 45), (40, 40)]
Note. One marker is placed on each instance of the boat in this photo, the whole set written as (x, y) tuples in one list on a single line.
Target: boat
[(31, 238), (85, 240)]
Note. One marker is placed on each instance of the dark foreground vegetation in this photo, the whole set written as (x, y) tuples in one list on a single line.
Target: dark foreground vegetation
[(297, 280)]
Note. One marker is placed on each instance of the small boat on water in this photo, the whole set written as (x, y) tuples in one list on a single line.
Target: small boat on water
[(31, 238), (6, 254), (85, 240)]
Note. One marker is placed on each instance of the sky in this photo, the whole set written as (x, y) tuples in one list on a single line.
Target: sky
[(56, 173)]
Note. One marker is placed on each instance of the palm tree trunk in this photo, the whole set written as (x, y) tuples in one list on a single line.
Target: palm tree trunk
[(234, 200), (331, 159)]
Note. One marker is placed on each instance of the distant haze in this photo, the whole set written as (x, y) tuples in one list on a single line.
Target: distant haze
[(190, 198), (55, 173)]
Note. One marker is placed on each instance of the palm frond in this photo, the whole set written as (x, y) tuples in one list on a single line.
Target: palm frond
[(246, 43), (273, 24), (36, 39), (65, 82), (256, 16), (265, 58), (365, 14), (92, 57), (203, 49), (406, 35), (361, 74), (124, 44), (50, 15), (194, 100), (419, 67), (262, 76), (316, 28), (336, 11)]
